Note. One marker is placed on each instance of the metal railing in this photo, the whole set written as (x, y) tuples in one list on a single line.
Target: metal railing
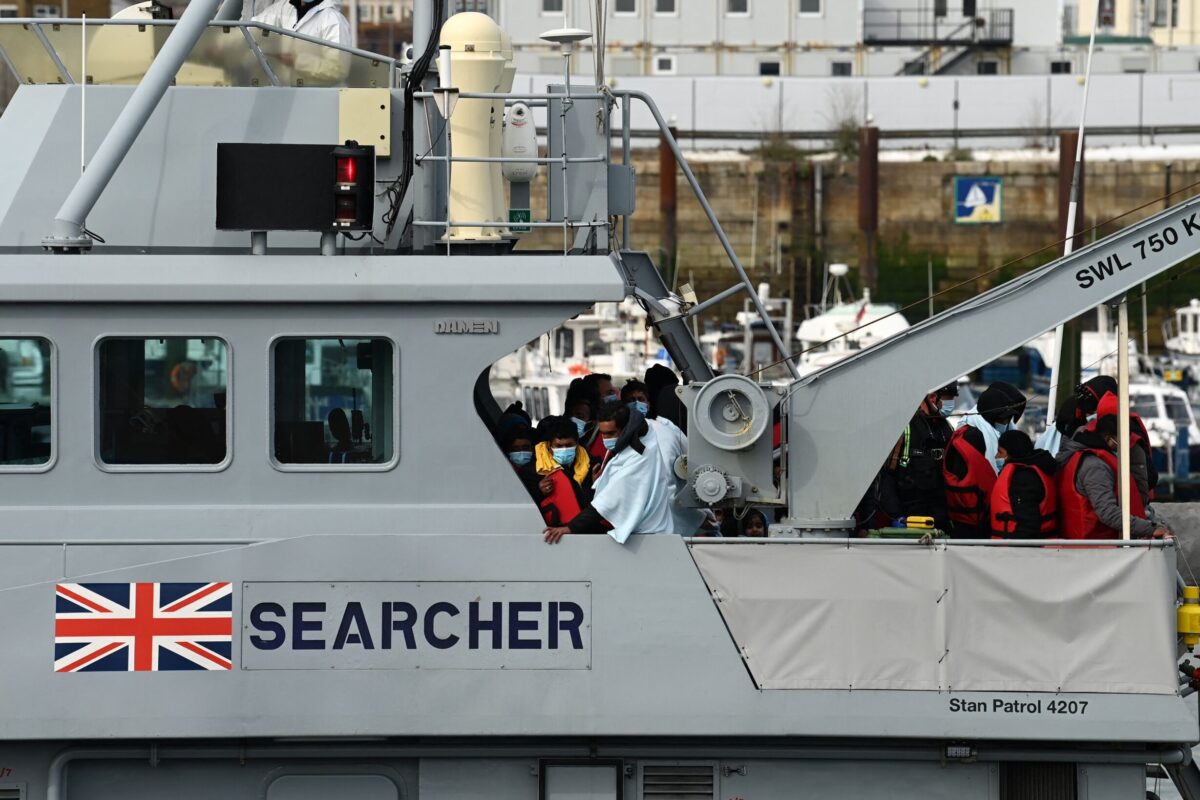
[(40, 50), (912, 26), (567, 224)]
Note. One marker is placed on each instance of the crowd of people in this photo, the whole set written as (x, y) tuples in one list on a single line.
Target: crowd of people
[(987, 479), (608, 465)]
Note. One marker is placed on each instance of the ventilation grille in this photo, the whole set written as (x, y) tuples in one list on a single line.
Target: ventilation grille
[(10, 793), (1020, 780), (678, 781)]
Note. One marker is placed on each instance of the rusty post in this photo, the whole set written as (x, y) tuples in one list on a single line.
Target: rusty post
[(1068, 142), (868, 205), (668, 206), (1067, 373)]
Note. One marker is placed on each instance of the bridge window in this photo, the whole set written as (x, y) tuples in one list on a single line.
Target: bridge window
[(334, 402), (26, 403), (162, 401)]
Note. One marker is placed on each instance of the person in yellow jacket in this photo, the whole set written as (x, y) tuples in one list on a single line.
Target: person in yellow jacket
[(565, 470)]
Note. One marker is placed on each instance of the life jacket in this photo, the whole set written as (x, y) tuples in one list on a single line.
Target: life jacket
[(1004, 520), (561, 505), (1076, 517), (967, 496), (1138, 435)]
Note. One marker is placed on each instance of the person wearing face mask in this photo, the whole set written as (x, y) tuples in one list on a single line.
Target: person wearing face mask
[(1024, 502), (911, 481), (971, 463), (600, 388), (1088, 488), (565, 471), (633, 394), (517, 444), (636, 487)]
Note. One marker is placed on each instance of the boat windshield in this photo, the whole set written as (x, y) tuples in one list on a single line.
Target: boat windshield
[(1144, 405), (120, 51), (1177, 410)]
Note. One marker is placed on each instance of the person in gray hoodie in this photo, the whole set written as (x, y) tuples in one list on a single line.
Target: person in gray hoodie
[(1089, 503)]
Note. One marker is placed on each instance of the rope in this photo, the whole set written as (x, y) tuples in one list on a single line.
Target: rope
[(924, 300)]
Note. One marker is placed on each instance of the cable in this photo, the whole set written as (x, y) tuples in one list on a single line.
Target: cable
[(974, 279), (416, 76)]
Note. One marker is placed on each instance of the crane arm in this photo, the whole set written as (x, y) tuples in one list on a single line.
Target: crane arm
[(844, 419)]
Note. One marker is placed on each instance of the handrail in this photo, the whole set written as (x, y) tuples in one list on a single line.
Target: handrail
[(38, 22), (669, 138), (1090, 544)]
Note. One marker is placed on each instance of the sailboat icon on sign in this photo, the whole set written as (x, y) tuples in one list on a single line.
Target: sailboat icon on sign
[(978, 200)]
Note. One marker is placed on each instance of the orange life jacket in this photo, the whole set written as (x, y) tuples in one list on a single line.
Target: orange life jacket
[(967, 496), (1076, 517), (560, 506), (1004, 521)]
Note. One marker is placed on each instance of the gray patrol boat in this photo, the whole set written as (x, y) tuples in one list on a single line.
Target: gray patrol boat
[(257, 539)]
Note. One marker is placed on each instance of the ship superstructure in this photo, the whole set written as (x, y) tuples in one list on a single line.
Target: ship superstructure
[(258, 540)]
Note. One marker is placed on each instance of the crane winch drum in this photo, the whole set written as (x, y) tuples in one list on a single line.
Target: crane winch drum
[(482, 62), (729, 420)]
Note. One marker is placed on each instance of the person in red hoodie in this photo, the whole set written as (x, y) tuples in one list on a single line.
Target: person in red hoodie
[(1088, 489), (1141, 461)]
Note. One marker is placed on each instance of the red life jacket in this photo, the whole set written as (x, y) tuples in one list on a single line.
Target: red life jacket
[(967, 496), (1076, 517), (560, 506), (1004, 521)]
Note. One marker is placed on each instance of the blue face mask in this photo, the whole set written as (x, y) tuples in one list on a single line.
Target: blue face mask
[(564, 456), (520, 458), (611, 398), (1004, 427), (579, 424), (947, 408), (639, 406), (1000, 463), (609, 444)]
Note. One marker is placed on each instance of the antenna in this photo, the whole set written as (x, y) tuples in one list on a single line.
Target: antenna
[(566, 38)]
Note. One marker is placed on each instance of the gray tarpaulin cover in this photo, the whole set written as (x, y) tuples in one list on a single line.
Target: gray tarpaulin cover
[(832, 616)]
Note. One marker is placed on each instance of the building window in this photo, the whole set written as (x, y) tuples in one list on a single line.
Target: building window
[(8, 11), (987, 67), (841, 69), (163, 401), (26, 403), (1060, 67), (810, 8), (47, 11), (768, 68), (624, 8), (664, 64), (552, 6), (334, 402), (916, 67), (737, 8), (666, 8)]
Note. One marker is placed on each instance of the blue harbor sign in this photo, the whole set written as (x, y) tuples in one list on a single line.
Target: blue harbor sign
[(978, 200)]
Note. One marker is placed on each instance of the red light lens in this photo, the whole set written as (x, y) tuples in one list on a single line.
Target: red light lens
[(346, 170)]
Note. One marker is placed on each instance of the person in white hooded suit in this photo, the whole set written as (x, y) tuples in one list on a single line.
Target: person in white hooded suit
[(637, 486), (294, 60)]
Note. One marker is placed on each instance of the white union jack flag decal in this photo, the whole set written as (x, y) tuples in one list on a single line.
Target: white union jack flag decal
[(142, 627)]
